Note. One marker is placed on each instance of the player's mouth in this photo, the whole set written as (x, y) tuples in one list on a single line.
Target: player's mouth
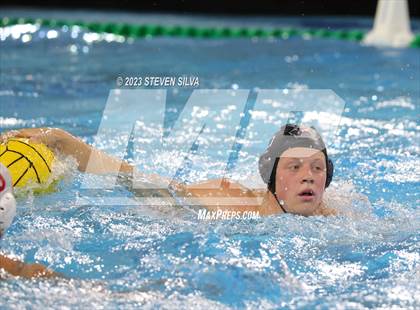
[(307, 194)]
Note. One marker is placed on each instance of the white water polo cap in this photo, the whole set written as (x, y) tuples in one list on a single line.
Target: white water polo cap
[(7, 200)]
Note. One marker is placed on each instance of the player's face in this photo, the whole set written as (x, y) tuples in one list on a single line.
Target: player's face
[(300, 179)]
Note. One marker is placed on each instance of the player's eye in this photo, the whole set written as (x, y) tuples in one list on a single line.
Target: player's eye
[(294, 167)]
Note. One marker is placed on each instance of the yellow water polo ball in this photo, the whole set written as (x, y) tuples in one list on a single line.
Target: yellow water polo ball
[(27, 162)]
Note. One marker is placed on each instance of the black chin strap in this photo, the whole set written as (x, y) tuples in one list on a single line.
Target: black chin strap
[(272, 183), (280, 204)]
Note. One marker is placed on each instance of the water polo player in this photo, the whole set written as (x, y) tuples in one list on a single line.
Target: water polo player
[(7, 213), (295, 167)]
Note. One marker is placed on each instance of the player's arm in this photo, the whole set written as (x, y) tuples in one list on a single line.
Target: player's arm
[(92, 160), (89, 158), (17, 268), (224, 194)]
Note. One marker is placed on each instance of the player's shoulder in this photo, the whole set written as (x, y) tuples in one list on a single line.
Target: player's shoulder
[(217, 184)]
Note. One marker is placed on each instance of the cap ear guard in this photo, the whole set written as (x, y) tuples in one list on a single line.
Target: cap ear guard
[(271, 184), (7, 200), (266, 167), (330, 172)]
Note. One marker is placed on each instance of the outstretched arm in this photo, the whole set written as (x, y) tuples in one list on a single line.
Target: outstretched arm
[(95, 161), (89, 159), (17, 268)]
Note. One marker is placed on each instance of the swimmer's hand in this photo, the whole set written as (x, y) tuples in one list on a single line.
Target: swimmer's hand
[(54, 138), (37, 271), (19, 269), (89, 159)]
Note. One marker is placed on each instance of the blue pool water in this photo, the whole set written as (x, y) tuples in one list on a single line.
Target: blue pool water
[(132, 255)]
